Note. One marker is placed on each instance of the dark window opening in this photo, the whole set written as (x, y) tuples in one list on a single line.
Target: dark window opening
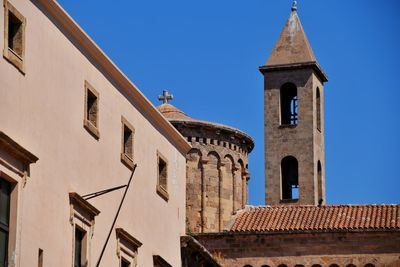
[(5, 193), (128, 142), (125, 263), (318, 110), (91, 107), (162, 173), (319, 179), (15, 34), (289, 104), (290, 178), (79, 248)]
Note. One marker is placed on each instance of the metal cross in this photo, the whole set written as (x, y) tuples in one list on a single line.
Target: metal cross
[(165, 97)]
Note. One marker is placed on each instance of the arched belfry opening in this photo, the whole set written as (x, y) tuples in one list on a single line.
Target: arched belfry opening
[(290, 178), (318, 100), (289, 104)]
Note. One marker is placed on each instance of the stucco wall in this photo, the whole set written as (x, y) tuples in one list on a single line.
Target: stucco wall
[(43, 111)]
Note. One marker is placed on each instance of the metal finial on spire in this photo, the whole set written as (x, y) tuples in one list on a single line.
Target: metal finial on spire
[(165, 97), (294, 5)]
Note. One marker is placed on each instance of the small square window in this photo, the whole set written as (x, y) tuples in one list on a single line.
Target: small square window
[(91, 119), (162, 176), (127, 143), (14, 36)]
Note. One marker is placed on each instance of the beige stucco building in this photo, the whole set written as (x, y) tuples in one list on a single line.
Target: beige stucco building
[(71, 123), (92, 174)]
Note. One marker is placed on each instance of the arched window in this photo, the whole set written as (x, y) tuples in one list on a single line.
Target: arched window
[(334, 265), (318, 109), (299, 265), (265, 265), (247, 265), (289, 104), (319, 174), (350, 265), (316, 265), (369, 265), (290, 178), (282, 265)]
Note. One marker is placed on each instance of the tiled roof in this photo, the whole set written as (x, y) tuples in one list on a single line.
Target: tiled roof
[(320, 219)]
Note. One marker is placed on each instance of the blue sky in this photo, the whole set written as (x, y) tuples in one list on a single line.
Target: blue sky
[(207, 54)]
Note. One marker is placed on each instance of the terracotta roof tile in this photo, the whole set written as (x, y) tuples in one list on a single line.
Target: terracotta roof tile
[(312, 218)]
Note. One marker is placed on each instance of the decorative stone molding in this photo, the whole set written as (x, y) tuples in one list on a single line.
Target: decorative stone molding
[(127, 247), (16, 150), (82, 209)]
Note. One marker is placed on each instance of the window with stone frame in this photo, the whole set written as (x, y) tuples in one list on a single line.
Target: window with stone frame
[(15, 163), (127, 151), (127, 248), (91, 119), (162, 176), (158, 261), (14, 36), (82, 215)]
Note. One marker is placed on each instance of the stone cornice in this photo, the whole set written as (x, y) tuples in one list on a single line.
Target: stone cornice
[(76, 199), (122, 234), (16, 149)]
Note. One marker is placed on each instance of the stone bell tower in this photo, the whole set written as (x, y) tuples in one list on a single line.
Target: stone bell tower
[(294, 120)]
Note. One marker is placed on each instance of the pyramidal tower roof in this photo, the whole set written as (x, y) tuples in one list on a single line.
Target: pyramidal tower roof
[(292, 48)]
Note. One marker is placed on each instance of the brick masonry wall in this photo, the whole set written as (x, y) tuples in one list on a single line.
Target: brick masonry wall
[(382, 249), (217, 178), (303, 141)]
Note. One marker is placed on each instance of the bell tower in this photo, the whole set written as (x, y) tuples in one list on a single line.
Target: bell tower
[(294, 120)]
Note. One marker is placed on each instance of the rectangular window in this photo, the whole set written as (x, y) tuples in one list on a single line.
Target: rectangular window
[(127, 143), (5, 191), (91, 119), (162, 176), (80, 248), (14, 36)]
